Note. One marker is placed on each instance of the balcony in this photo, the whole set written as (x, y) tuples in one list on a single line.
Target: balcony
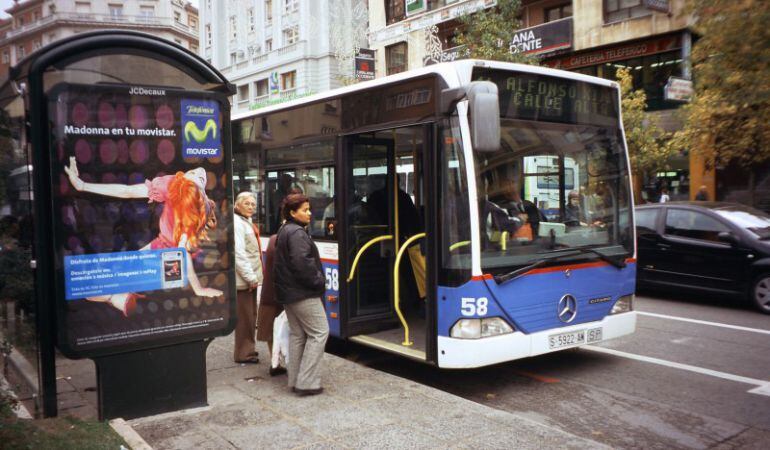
[(102, 20)]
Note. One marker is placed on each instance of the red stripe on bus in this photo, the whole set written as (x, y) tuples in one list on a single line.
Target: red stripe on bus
[(486, 276)]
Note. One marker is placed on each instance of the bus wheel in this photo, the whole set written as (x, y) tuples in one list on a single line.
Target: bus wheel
[(760, 293)]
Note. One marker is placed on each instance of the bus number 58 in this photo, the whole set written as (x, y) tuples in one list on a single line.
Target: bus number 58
[(474, 306)]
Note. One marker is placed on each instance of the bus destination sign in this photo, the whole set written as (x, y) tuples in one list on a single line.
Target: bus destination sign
[(539, 97)]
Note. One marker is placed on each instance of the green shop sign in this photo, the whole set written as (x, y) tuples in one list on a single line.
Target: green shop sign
[(415, 6)]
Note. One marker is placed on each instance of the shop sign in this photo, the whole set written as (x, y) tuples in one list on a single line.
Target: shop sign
[(450, 54), (545, 38), (678, 89), (397, 30), (273, 80), (658, 5), (365, 64), (415, 6), (617, 53)]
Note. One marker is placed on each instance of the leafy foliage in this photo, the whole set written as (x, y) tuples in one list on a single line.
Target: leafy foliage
[(728, 120), (488, 33), (648, 148)]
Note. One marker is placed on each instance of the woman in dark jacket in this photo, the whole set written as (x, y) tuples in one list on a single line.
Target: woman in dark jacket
[(299, 284)]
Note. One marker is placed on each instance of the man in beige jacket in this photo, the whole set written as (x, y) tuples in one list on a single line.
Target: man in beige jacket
[(248, 276)]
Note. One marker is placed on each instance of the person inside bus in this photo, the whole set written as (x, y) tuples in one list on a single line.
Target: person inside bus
[(516, 206), (573, 216)]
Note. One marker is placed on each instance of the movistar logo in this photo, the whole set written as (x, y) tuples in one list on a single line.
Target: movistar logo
[(192, 132)]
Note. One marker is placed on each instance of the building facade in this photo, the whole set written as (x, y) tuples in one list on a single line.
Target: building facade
[(276, 50), (595, 37), (35, 23)]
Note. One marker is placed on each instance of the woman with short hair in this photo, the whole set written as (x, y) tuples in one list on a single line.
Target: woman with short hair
[(299, 287), (248, 276)]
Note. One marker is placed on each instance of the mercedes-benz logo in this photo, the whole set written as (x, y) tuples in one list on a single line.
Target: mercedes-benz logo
[(567, 308)]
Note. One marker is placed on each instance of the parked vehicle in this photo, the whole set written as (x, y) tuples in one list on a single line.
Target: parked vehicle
[(705, 246)]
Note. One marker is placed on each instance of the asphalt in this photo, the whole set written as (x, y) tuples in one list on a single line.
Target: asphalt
[(359, 408)]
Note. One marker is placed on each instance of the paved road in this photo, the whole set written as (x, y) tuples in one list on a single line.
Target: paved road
[(673, 384)]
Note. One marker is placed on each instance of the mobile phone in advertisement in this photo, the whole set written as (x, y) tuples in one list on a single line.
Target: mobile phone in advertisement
[(172, 269)]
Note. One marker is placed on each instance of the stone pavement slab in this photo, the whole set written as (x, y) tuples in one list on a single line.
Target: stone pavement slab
[(360, 408)]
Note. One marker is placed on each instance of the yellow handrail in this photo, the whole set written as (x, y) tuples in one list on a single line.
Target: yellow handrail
[(504, 240), (396, 282), (457, 245), (363, 249)]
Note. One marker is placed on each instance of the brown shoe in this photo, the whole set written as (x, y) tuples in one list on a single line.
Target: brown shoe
[(275, 371), (307, 392)]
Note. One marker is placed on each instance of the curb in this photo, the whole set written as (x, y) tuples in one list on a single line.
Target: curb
[(132, 438)]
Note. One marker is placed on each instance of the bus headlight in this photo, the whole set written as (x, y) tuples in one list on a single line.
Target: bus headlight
[(480, 328), (624, 304)]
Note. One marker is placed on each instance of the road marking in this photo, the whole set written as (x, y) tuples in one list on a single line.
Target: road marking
[(704, 322), (763, 386)]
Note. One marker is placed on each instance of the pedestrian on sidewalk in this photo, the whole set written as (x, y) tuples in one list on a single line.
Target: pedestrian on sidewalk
[(248, 276), (703, 194), (299, 285), (269, 308)]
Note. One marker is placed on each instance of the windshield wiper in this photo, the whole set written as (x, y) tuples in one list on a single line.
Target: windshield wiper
[(619, 263), (500, 279)]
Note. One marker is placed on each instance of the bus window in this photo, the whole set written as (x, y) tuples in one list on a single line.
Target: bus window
[(308, 169), (454, 225)]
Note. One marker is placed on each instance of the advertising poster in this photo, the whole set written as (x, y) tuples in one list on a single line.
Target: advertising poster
[(141, 198), (365, 64)]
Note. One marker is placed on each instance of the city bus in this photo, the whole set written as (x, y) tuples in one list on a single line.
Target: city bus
[(414, 180)]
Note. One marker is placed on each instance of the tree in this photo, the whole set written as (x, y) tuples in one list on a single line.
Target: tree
[(648, 147), (728, 121), (487, 34)]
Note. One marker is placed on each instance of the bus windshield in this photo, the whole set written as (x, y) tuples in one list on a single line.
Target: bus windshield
[(559, 179)]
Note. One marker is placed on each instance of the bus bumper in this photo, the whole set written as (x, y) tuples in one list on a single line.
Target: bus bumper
[(468, 353)]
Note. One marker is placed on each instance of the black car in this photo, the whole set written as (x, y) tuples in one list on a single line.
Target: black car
[(706, 246)]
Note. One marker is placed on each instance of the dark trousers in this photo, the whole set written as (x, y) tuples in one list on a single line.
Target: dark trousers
[(245, 326)]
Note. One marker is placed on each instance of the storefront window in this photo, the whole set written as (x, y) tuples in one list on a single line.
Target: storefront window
[(395, 58), (650, 73)]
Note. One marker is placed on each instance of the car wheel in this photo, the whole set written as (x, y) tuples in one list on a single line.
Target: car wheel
[(760, 293)]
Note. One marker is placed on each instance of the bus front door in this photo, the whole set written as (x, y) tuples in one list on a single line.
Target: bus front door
[(384, 204)]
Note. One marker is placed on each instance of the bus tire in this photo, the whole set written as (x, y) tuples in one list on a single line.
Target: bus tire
[(760, 293)]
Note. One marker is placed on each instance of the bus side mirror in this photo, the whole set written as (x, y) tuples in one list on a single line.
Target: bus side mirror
[(484, 111)]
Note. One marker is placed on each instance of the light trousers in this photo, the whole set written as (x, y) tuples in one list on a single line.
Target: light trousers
[(309, 330)]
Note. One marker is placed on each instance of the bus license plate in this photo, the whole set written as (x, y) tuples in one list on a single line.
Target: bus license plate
[(566, 339), (594, 335)]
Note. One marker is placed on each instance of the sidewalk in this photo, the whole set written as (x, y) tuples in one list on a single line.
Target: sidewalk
[(360, 408)]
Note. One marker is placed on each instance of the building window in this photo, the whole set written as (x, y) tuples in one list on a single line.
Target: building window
[(208, 35), (243, 93), (262, 88), (268, 45), (394, 11), (36, 44), (147, 12), (36, 16), (193, 48), (20, 22), (20, 52), (116, 11), (252, 20), (6, 57), (177, 17), (395, 58), (290, 6), (268, 12), (289, 80), (193, 22), (291, 35), (617, 10), (233, 29), (233, 58), (558, 12)]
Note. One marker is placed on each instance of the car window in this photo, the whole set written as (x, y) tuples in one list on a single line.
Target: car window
[(646, 219), (693, 224)]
